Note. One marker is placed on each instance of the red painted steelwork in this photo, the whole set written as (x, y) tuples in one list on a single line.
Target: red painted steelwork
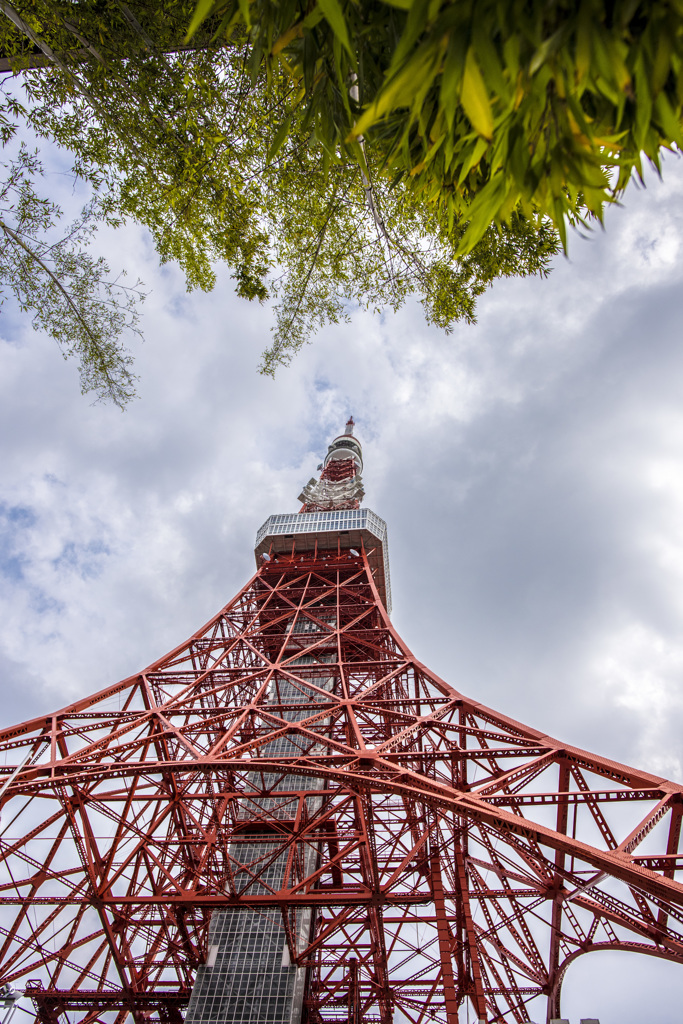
[(450, 853), (339, 469), (336, 471)]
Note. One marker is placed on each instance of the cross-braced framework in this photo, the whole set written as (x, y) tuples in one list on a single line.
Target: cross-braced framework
[(435, 851)]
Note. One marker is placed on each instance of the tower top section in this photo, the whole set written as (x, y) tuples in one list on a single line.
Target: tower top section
[(346, 446), (331, 519), (340, 485)]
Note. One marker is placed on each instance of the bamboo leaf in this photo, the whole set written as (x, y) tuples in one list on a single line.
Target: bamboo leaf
[(245, 12), (668, 120), (482, 211), (335, 16), (201, 13), (400, 90), (451, 76), (415, 26), (546, 49), (475, 99), (280, 136)]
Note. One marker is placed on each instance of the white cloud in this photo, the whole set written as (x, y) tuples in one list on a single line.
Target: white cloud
[(641, 671)]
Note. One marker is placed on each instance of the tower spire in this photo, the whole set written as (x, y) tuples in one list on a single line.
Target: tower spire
[(340, 485)]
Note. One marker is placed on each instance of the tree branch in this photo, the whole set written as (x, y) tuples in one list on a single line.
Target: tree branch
[(111, 382)]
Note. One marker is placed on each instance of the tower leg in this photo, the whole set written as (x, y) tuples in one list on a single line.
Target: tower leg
[(445, 945)]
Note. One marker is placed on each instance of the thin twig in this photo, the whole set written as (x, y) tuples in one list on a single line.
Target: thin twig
[(321, 236)]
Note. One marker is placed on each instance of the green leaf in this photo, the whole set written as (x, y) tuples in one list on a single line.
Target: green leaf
[(359, 154), (473, 159), (475, 99), (245, 12), (398, 91), (201, 13), (643, 107), (583, 41), (415, 26), (483, 210), (546, 49), (451, 77), (335, 16), (668, 120), (280, 136)]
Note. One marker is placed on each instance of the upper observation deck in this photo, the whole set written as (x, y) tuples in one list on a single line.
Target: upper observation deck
[(333, 530)]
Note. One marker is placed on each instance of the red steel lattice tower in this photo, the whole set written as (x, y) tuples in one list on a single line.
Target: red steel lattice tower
[(290, 818)]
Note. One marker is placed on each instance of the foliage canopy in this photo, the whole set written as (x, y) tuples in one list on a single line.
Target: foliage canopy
[(482, 107), (228, 153)]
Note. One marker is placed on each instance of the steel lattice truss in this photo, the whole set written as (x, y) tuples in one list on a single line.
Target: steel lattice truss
[(449, 852)]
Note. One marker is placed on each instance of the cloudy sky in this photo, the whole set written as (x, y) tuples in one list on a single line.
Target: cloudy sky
[(530, 469)]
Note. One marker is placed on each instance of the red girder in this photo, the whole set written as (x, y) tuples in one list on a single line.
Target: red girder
[(458, 854)]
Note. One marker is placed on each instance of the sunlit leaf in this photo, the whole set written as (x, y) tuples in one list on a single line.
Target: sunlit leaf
[(474, 97)]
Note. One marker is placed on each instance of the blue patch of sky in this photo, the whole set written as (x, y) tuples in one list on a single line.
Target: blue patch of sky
[(13, 520), (84, 559), (16, 520), (50, 478), (179, 305), (41, 603), (15, 323)]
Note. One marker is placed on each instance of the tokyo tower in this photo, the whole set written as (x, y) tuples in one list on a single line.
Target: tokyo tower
[(290, 820)]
